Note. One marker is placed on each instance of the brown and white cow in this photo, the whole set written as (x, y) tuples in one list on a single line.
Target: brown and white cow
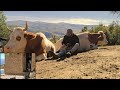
[(87, 41), (22, 41)]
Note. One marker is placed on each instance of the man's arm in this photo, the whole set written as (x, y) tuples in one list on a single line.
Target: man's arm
[(77, 39), (64, 40)]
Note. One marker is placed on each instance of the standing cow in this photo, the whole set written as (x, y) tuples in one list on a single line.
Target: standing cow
[(22, 41), (87, 41)]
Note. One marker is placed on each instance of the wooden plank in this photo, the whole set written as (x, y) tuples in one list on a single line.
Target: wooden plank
[(14, 63), (12, 77), (33, 64)]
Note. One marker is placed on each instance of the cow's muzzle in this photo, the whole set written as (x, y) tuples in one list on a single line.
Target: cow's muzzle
[(6, 49)]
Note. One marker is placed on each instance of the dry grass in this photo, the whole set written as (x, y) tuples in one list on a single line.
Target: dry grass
[(101, 63)]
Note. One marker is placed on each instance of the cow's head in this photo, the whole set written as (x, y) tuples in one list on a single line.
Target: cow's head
[(17, 41), (102, 40)]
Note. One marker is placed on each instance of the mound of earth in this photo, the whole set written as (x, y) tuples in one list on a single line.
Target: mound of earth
[(101, 63)]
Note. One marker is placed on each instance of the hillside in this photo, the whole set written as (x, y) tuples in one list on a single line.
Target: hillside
[(57, 28), (101, 63), (1, 66)]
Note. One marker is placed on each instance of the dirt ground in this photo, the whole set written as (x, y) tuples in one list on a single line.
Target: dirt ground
[(101, 63)]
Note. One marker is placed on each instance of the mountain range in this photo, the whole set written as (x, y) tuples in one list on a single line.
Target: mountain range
[(49, 28)]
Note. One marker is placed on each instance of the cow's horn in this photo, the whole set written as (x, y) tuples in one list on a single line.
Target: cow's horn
[(101, 33), (26, 27)]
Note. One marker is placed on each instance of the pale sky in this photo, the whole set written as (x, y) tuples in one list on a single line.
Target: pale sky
[(73, 17), (2, 58)]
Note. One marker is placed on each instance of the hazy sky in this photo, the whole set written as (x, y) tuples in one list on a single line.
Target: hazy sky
[(74, 17), (2, 58)]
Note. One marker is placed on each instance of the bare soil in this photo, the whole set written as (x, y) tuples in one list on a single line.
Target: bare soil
[(101, 63)]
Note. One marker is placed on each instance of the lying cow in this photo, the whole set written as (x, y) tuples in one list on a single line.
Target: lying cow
[(87, 41), (22, 41)]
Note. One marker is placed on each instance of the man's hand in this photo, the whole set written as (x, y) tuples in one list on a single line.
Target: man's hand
[(68, 45)]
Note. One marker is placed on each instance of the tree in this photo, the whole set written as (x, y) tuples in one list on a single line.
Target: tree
[(116, 12), (85, 29), (91, 30), (100, 27), (4, 32)]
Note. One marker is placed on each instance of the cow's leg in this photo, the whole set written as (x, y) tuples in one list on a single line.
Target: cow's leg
[(53, 49), (93, 46), (41, 57)]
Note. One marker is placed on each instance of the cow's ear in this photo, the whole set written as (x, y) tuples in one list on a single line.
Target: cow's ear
[(28, 36), (101, 37)]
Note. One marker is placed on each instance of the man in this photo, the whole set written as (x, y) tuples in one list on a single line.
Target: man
[(70, 45)]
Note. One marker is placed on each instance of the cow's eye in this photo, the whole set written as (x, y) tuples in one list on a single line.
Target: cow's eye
[(18, 38)]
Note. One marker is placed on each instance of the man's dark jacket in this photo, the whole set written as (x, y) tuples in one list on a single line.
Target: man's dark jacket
[(72, 40)]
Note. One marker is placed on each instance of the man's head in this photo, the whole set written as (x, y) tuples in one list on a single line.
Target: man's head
[(69, 32)]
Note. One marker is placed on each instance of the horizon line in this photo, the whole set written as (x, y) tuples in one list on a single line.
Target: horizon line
[(53, 22)]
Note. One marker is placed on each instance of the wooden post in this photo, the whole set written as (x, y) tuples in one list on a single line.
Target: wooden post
[(33, 64), (14, 64)]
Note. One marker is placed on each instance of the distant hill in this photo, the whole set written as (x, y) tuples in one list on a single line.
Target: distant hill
[(1, 66), (48, 28)]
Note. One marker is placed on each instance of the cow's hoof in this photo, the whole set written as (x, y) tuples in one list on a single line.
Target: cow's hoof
[(45, 59), (39, 60)]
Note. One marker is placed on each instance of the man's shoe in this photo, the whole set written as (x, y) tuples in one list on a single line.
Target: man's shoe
[(55, 56), (52, 54), (68, 54)]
